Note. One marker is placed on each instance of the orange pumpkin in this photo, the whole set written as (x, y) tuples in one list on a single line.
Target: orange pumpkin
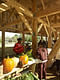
[(24, 59), (8, 65)]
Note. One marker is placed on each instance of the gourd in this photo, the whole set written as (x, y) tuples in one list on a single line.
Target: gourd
[(24, 59), (8, 65)]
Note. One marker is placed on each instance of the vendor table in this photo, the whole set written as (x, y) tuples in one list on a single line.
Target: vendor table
[(15, 71)]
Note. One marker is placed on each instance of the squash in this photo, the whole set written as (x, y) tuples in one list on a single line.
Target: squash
[(24, 59), (8, 65), (16, 61)]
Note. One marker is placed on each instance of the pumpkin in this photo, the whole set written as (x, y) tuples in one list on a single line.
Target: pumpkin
[(8, 65), (24, 59), (16, 61)]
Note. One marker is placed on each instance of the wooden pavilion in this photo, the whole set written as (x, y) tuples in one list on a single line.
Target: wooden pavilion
[(35, 17)]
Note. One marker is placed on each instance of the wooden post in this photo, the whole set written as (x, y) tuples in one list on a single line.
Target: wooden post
[(34, 36), (3, 43), (50, 38), (34, 29), (23, 36), (55, 35)]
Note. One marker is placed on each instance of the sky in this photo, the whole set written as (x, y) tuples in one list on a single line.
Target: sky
[(8, 34)]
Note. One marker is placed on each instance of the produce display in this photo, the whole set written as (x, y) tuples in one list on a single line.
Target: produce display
[(28, 76), (29, 53), (8, 65), (24, 59), (16, 61), (25, 76)]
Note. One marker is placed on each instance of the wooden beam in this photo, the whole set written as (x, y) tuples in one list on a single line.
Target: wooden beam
[(3, 8), (48, 12), (55, 35), (43, 5), (19, 7), (44, 23), (3, 44), (50, 34), (11, 13), (9, 17), (53, 52), (49, 25), (46, 31), (26, 23), (56, 25), (4, 28), (13, 28), (40, 28), (9, 26), (12, 23)]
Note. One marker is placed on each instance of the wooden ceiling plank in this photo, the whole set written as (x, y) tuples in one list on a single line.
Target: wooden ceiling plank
[(20, 7)]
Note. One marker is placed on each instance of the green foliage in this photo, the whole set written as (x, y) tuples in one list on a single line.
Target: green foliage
[(29, 53), (25, 76), (28, 37), (28, 76)]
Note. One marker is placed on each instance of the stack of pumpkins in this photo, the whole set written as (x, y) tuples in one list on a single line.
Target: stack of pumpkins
[(10, 63)]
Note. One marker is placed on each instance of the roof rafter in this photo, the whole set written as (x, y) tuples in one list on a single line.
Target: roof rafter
[(44, 8), (46, 30), (48, 12), (19, 7), (3, 8), (40, 28), (44, 23), (25, 11), (26, 23)]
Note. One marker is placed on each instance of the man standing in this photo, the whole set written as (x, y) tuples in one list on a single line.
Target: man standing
[(18, 48)]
